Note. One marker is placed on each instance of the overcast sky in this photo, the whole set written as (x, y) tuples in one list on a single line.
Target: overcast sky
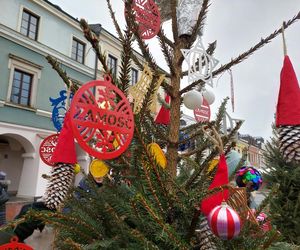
[(236, 25)]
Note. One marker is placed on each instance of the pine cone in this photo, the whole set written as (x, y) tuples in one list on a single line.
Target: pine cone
[(205, 236), (289, 142), (61, 180)]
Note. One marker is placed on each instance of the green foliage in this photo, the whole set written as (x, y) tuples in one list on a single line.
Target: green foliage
[(284, 177)]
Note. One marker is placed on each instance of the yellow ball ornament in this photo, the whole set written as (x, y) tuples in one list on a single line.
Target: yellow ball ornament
[(77, 168), (159, 156), (98, 168)]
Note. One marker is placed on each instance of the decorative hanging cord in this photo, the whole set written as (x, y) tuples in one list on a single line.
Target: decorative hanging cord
[(283, 40), (231, 89), (68, 95)]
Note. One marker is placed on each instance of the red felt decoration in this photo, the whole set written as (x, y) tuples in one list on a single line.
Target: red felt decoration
[(288, 105), (148, 18), (221, 178), (47, 148), (163, 116), (102, 119), (202, 114), (65, 151), (14, 244)]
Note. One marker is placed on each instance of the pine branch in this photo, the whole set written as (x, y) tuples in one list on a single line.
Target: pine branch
[(113, 17), (244, 55), (200, 22), (174, 20), (94, 41), (62, 73), (168, 54)]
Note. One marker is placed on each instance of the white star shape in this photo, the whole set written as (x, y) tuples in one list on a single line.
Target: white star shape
[(199, 71)]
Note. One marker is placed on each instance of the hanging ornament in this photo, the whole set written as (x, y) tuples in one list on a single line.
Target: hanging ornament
[(15, 244), (250, 177), (212, 164), (184, 146), (224, 222), (147, 17), (140, 89), (209, 96), (233, 159), (187, 16), (154, 100), (288, 113), (163, 116), (231, 89), (77, 168), (202, 114), (98, 168), (157, 153), (101, 117), (59, 109), (47, 148), (193, 99), (264, 222), (220, 178), (200, 63)]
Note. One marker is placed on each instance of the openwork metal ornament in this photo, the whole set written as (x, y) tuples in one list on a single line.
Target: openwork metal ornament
[(187, 16), (47, 148), (15, 244), (59, 109), (139, 90), (148, 18), (200, 63), (101, 115)]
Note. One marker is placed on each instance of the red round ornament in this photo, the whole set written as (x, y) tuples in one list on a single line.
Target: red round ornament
[(148, 18), (202, 114), (102, 119), (14, 244), (47, 148), (224, 222)]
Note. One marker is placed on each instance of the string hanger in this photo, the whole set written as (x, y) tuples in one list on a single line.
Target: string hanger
[(68, 95), (283, 39)]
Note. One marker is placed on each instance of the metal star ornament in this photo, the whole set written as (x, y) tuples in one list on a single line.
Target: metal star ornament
[(200, 63)]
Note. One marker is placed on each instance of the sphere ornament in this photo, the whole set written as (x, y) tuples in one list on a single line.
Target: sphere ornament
[(209, 96), (193, 99), (250, 177)]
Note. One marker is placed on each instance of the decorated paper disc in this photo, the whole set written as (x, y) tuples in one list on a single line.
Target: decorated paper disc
[(202, 114), (98, 168), (148, 18), (14, 244), (47, 148), (102, 119)]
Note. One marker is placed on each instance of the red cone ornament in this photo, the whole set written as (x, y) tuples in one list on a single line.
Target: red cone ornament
[(288, 105), (163, 116), (65, 149), (221, 178)]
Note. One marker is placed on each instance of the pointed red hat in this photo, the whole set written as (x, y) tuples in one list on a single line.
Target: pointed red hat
[(221, 178), (65, 149), (288, 105), (163, 116)]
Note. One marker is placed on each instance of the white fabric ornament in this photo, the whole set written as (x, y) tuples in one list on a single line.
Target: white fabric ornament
[(209, 96), (193, 99)]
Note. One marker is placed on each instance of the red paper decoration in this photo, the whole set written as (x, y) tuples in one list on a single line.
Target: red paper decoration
[(224, 222), (14, 245), (102, 119), (47, 148), (163, 116), (221, 178), (202, 114), (148, 18)]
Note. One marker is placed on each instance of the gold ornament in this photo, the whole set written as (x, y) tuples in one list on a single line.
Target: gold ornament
[(212, 164), (158, 154), (77, 168), (98, 168), (139, 90), (154, 96)]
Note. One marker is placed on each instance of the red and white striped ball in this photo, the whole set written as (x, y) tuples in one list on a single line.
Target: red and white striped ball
[(224, 222)]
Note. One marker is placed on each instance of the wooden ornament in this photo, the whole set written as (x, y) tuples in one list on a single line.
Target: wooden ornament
[(154, 99), (47, 148)]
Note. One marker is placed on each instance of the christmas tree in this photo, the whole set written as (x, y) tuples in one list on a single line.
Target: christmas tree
[(149, 201)]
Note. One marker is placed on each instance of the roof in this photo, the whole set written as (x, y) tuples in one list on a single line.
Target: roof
[(97, 27)]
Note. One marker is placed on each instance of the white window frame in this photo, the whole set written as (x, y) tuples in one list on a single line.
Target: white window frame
[(84, 52), (17, 63), (22, 7)]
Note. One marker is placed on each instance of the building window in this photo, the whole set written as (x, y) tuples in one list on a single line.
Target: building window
[(29, 25), (112, 65), (134, 76), (21, 88), (78, 49)]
